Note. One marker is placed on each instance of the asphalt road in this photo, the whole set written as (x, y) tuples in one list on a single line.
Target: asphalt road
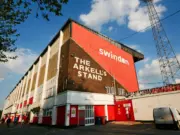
[(109, 129)]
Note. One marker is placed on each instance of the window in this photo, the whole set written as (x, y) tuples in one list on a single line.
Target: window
[(89, 115), (47, 112), (121, 92), (110, 90), (50, 92)]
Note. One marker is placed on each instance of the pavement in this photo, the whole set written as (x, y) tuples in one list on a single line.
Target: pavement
[(114, 128)]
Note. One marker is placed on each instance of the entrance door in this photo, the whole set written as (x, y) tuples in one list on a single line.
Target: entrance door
[(89, 115), (124, 110), (61, 115), (81, 117)]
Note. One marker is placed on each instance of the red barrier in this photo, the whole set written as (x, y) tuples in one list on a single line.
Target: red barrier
[(99, 110), (25, 103), (47, 120), (35, 120), (61, 115), (74, 115), (21, 105), (30, 100), (111, 112), (161, 89)]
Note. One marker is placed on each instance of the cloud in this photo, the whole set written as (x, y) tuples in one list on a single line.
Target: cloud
[(177, 80), (150, 73), (135, 47), (121, 11), (150, 70), (1, 79), (156, 1), (139, 19), (142, 86), (20, 65), (110, 28), (146, 60)]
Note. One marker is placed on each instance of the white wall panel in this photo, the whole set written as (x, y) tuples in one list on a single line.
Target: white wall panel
[(50, 87), (48, 103), (87, 98), (61, 99), (143, 106), (38, 94)]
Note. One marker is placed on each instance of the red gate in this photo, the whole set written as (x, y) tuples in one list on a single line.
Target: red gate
[(124, 110), (61, 115)]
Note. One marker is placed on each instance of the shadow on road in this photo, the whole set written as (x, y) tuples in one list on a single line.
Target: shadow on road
[(110, 128)]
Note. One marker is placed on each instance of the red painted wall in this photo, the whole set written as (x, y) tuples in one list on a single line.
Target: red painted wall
[(91, 43), (99, 110), (74, 120), (111, 112), (25, 103), (47, 120), (61, 115), (120, 111), (35, 120), (20, 118), (12, 118), (21, 105), (30, 100), (24, 118)]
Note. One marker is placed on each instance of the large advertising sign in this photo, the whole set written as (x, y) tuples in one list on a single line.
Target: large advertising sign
[(86, 71), (85, 74), (116, 62)]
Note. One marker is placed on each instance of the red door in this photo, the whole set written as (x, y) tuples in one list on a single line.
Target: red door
[(73, 115), (124, 110), (61, 115), (99, 110), (81, 117), (111, 112)]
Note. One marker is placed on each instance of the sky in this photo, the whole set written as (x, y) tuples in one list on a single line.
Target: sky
[(116, 19)]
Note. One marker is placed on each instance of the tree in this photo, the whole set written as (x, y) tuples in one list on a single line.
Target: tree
[(15, 12)]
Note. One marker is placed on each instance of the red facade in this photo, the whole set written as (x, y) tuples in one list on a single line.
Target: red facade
[(47, 120), (106, 54), (73, 115), (124, 111), (61, 115), (25, 103), (35, 120), (99, 110), (111, 112), (85, 53), (30, 100)]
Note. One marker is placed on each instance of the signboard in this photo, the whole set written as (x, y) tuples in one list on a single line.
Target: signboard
[(73, 112), (112, 59), (85, 70), (81, 107), (127, 105)]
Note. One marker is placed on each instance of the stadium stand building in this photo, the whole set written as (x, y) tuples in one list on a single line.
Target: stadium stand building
[(78, 77)]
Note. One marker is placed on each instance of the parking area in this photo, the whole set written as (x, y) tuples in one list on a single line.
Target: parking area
[(114, 128)]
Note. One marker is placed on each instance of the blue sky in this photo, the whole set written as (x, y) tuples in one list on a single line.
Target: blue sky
[(116, 19)]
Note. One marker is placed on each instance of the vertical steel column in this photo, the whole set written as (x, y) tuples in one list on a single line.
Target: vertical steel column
[(168, 62)]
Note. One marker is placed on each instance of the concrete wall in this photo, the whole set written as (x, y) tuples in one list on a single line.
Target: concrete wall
[(143, 106), (88, 98)]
